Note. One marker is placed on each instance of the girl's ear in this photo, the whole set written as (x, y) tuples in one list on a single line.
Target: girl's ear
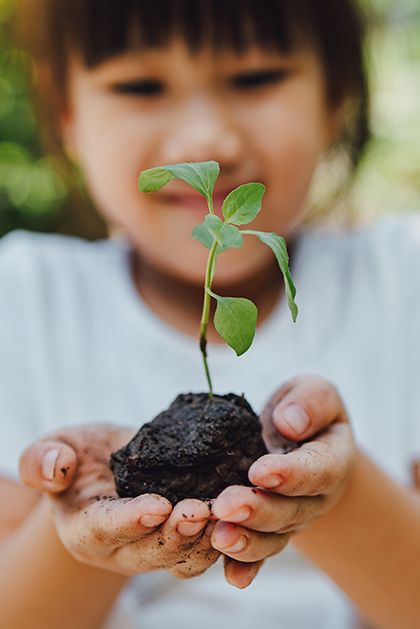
[(336, 122), (55, 113), (68, 135)]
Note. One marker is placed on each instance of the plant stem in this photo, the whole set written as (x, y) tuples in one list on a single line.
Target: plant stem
[(210, 205), (206, 312)]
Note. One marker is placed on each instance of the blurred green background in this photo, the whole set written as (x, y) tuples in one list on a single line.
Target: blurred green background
[(33, 195)]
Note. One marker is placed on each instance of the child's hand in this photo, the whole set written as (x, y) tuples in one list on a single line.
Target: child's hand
[(124, 535), (297, 487)]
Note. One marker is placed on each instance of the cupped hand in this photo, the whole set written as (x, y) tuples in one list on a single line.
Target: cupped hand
[(293, 489), (124, 535)]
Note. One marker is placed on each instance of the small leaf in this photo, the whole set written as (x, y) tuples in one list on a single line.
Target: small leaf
[(279, 248), (214, 228), (202, 234), (154, 179), (242, 205), (231, 237), (199, 175), (235, 320), (214, 225)]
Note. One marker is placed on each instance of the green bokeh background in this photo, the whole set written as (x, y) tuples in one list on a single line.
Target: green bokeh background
[(33, 194)]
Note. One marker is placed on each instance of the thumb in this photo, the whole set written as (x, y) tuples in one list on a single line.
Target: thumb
[(240, 574), (308, 407), (48, 465)]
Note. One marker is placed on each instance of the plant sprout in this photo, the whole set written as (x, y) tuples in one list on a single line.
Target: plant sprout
[(235, 318)]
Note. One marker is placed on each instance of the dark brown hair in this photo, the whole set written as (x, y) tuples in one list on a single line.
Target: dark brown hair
[(99, 29)]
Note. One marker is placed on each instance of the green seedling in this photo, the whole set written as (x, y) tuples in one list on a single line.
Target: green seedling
[(235, 318)]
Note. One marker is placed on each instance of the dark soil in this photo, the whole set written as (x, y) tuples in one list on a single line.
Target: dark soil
[(194, 449)]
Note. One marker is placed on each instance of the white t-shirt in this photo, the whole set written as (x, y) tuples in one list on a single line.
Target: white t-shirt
[(77, 344)]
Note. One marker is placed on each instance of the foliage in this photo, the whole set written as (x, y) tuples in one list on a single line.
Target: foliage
[(31, 190), (235, 318), (389, 177)]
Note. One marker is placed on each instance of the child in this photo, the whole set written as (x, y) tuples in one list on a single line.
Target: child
[(105, 332)]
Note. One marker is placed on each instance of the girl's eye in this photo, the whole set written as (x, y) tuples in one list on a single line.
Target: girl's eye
[(258, 78), (147, 87)]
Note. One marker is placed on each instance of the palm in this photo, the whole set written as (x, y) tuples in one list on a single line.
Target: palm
[(101, 529), (93, 445)]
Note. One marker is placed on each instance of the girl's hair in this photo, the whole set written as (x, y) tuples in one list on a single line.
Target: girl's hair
[(98, 29)]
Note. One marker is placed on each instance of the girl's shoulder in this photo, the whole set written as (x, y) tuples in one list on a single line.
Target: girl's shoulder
[(382, 247), (392, 227), (26, 255), (358, 275), (46, 274), (21, 244)]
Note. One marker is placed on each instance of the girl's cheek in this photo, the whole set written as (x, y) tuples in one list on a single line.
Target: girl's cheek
[(294, 115)]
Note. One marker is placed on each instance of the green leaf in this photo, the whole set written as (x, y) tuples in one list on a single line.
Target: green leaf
[(235, 320), (202, 234), (242, 205), (154, 179), (279, 248), (231, 237), (214, 225), (214, 228), (200, 175)]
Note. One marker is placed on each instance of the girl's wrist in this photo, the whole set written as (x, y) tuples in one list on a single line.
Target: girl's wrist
[(351, 478)]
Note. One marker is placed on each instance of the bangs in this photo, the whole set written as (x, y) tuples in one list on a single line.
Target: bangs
[(98, 29)]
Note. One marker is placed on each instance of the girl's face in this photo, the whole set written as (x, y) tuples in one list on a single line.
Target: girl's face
[(262, 115)]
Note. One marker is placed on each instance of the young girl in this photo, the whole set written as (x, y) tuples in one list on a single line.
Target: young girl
[(97, 338)]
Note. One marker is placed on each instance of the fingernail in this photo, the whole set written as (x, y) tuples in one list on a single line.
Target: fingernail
[(240, 515), (152, 520), (238, 546), (296, 418), (190, 528), (241, 578), (271, 481), (49, 461)]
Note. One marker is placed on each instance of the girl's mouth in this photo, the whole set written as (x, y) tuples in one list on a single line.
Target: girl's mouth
[(195, 202)]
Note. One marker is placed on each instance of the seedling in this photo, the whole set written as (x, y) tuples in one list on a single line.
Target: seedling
[(202, 443), (235, 318)]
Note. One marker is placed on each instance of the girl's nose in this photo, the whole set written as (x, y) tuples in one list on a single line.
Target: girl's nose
[(202, 133)]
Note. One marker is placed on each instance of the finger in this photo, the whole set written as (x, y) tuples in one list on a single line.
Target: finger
[(273, 439), (415, 474), (307, 407), (261, 511), (240, 574), (186, 545), (48, 466), (188, 519), (316, 467), (197, 558), (168, 548), (246, 545), (183, 559), (108, 523)]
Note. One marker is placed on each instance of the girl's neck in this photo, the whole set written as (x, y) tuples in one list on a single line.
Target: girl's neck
[(180, 304)]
